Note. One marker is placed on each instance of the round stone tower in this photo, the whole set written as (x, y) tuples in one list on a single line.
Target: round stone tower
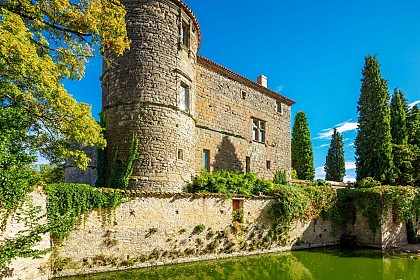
[(149, 91)]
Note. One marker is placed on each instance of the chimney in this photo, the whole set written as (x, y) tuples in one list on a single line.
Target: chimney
[(262, 80)]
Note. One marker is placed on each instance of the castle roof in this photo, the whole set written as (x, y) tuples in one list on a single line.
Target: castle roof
[(191, 14), (241, 79)]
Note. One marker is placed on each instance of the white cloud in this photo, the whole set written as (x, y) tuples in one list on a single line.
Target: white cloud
[(319, 172), (279, 88), (351, 144), (411, 105), (322, 146), (341, 127), (350, 165)]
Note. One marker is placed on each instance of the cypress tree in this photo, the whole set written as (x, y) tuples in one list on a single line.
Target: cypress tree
[(398, 118), (413, 128), (402, 155), (302, 154), (335, 166), (373, 140)]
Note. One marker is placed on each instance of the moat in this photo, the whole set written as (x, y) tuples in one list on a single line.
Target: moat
[(316, 265)]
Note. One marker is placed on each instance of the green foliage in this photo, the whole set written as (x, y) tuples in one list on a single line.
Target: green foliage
[(102, 162), (68, 202), (238, 216), (198, 229), (413, 128), (230, 183), (51, 173), (398, 118), (302, 154), (294, 174), (122, 169), (298, 203), (367, 182), (403, 158), (335, 166), (280, 177), (373, 141)]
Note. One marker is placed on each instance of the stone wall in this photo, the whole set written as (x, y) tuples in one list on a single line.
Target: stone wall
[(75, 175), (141, 95), (156, 229), (27, 268), (152, 230), (224, 111)]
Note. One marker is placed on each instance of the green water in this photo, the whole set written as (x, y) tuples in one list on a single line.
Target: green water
[(326, 264)]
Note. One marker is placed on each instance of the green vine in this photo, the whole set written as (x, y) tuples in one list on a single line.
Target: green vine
[(122, 169), (68, 202)]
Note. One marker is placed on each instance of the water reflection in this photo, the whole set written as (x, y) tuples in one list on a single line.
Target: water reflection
[(298, 265)]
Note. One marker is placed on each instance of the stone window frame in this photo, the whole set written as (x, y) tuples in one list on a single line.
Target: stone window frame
[(279, 107), (243, 94), (247, 164), (184, 97), (180, 154), (268, 164), (206, 160), (259, 130), (185, 34)]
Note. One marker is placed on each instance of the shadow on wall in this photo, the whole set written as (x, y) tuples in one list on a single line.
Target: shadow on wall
[(226, 158)]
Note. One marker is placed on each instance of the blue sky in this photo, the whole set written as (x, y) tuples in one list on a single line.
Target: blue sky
[(311, 52)]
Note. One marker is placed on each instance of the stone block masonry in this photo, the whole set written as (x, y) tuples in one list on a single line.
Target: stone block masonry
[(184, 107)]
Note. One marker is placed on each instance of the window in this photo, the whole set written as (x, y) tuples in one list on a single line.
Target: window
[(258, 130), (279, 107), (206, 160), (243, 95), (184, 98), (185, 34), (180, 154), (268, 164), (237, 204), (248, 164)]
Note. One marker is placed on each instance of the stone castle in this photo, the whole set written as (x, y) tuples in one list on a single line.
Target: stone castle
[(188, 112)]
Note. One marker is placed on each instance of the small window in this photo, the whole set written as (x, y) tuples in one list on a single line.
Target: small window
[(243, 94), (258, 130), (279, 107), (248, 164), (184, 98), (180, 154), (268, 164), (185, 34), (206, 160), (237, 204)]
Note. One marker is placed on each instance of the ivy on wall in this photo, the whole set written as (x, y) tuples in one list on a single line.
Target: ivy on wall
[(67, 203)]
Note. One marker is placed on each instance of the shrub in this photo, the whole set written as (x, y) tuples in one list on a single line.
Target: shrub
[(367, 182), (230, 183), (280, 177)]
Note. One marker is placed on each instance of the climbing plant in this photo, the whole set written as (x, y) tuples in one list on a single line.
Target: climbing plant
[(122, 169), (67, 203)]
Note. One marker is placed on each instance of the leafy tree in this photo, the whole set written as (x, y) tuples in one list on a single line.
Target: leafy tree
[(302, 154), (41, 44), (335, 166), (402, 155), (373, 140)]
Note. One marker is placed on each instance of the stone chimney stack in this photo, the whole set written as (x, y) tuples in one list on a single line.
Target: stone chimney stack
[(262, 80)]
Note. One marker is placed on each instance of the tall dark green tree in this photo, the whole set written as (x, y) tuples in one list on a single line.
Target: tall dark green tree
[(335, 166), (302, 153), (401, 152), (373, 141), (398, 118), (413, 128)]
